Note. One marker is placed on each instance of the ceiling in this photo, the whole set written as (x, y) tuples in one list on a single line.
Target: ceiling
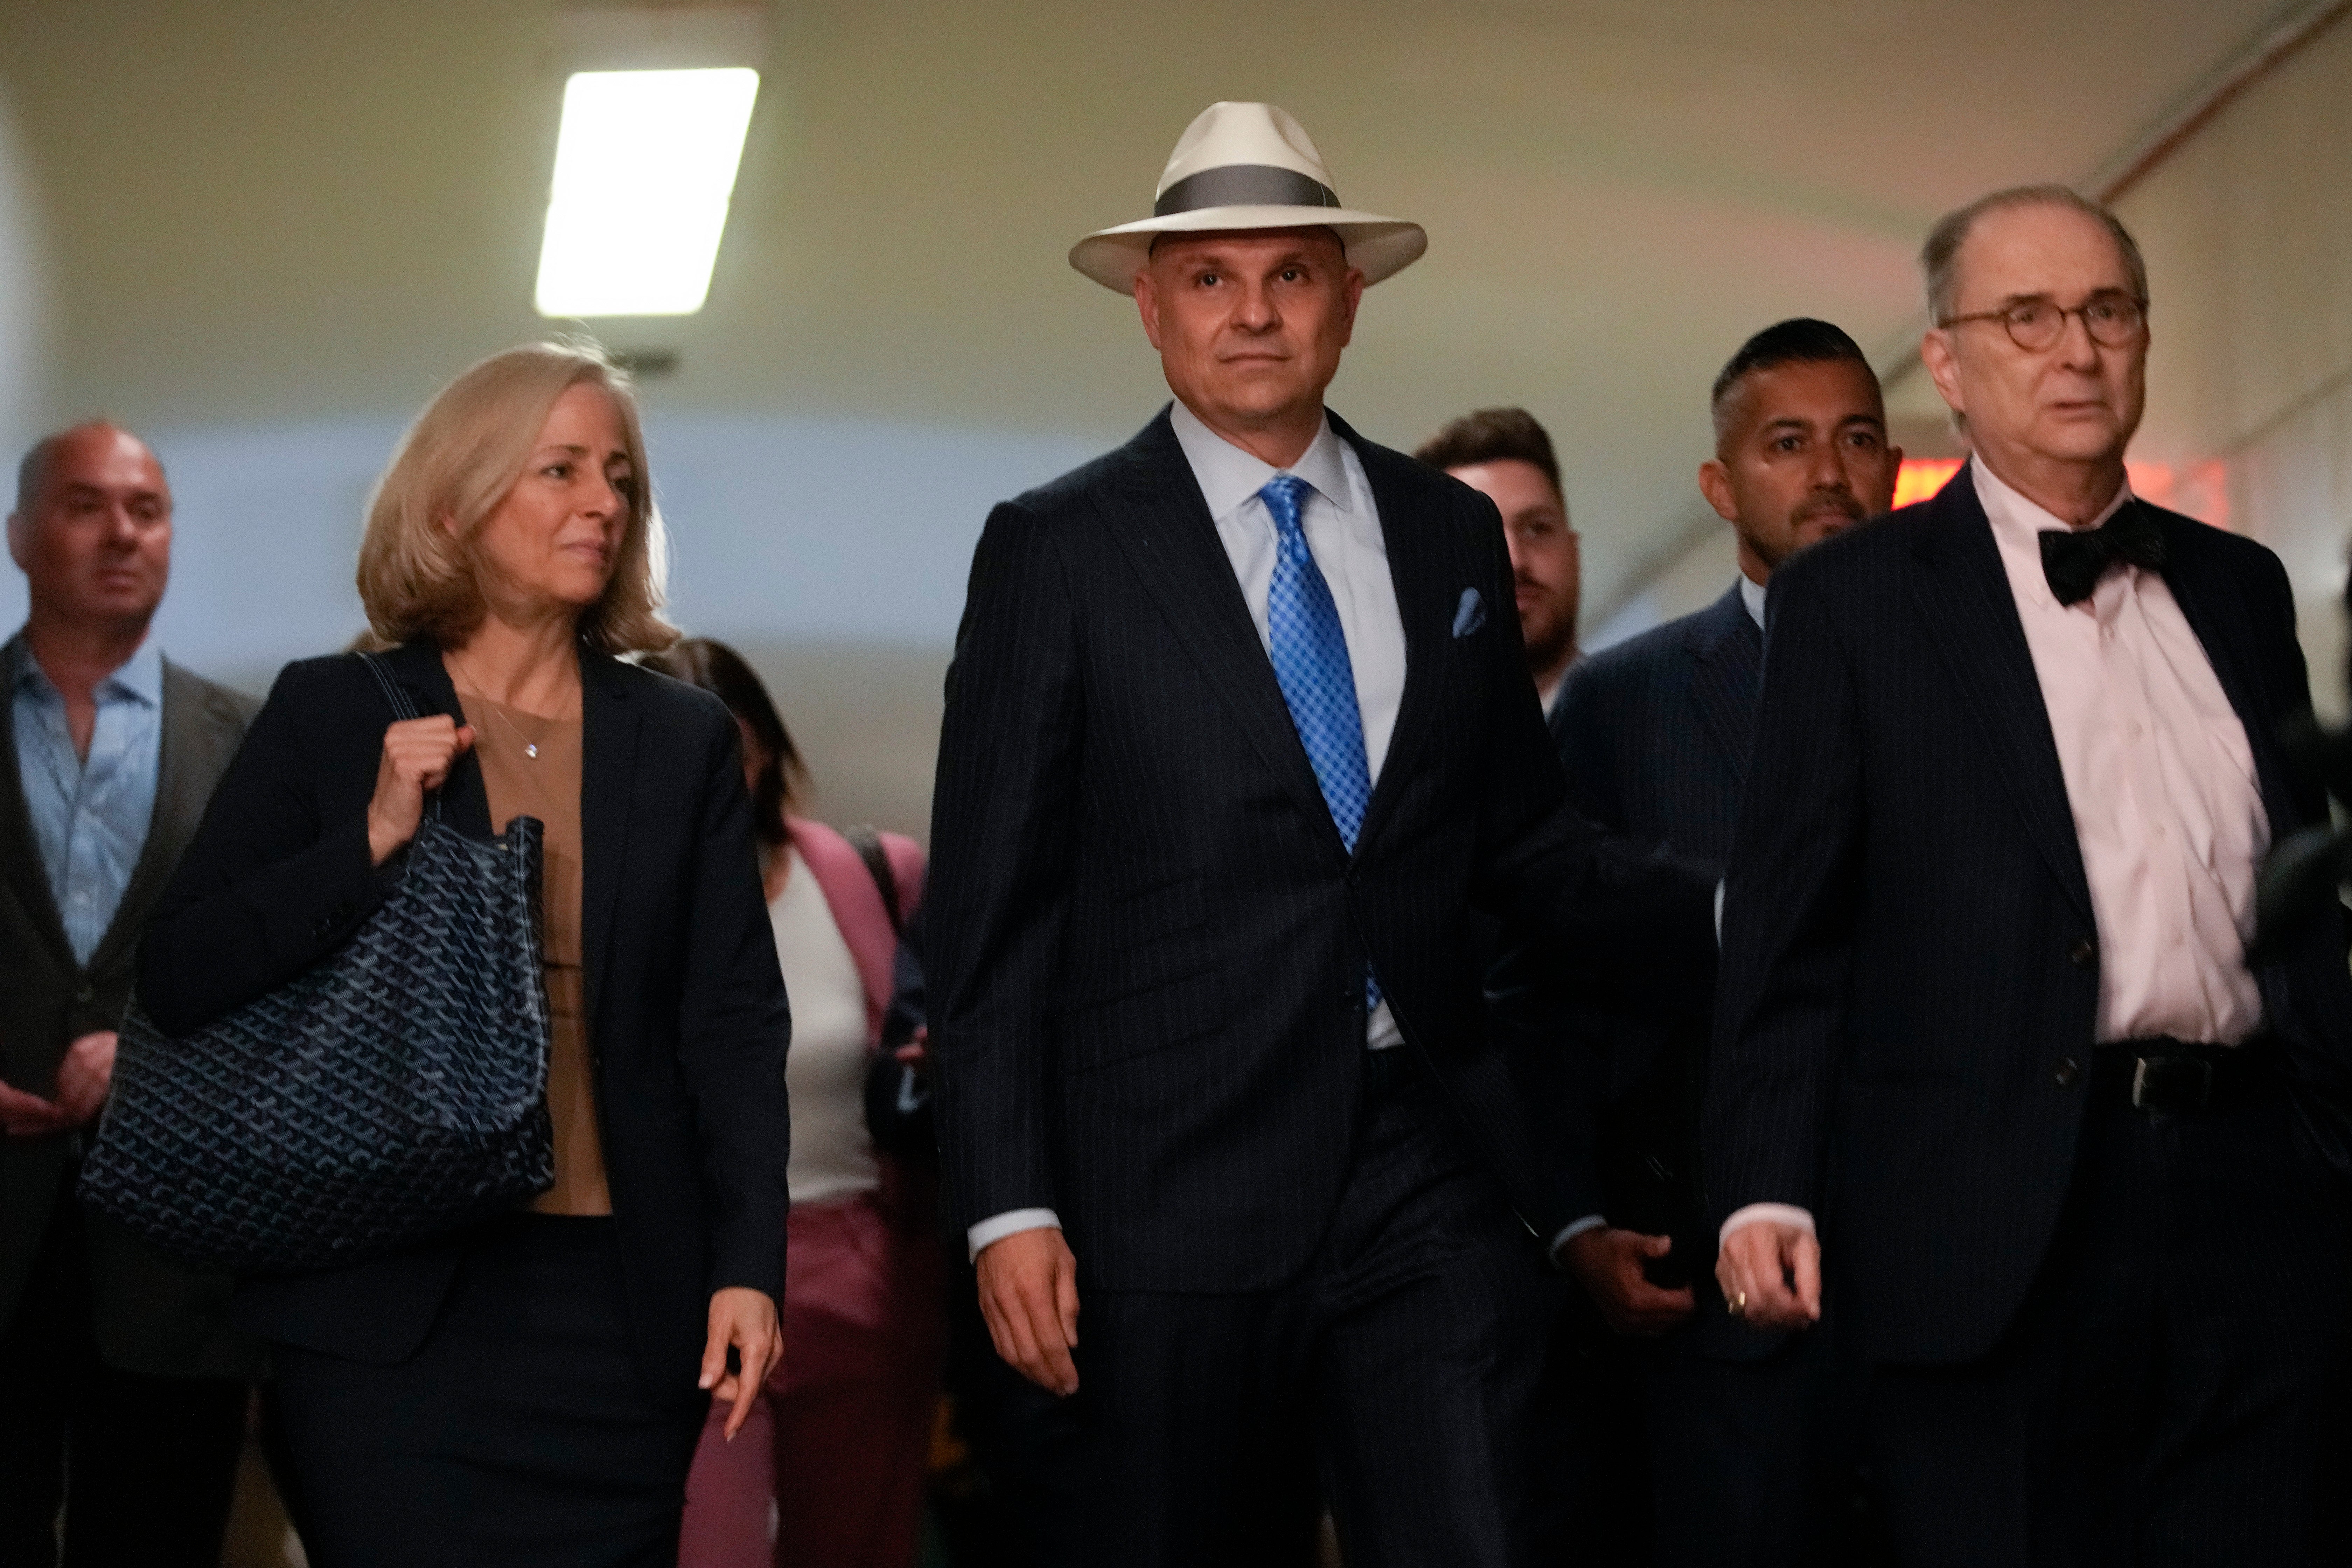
[(274, 210)]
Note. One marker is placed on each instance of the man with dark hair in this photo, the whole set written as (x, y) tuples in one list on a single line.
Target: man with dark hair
[(1654, 735), (125, 1388), (1987, 933), (1505, 456)]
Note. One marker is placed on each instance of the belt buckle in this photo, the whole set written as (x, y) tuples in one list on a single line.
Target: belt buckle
[(2171, 1083)]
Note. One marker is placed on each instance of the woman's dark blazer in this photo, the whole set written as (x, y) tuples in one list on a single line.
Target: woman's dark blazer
[(687, 1018)]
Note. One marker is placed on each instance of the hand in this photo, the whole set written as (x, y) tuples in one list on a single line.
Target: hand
[(744, 1319), (1029, 1294), (28, 1115), (1608, 1263), (916, 1053), (83, 1076), (1771, 1274), (417, 757)]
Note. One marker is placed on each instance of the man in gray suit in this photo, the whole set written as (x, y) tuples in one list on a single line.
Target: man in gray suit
[(118, 1368)]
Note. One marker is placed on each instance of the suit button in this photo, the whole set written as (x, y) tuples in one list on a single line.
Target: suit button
[(2083, 952), (2069, 1073), (85, 992)]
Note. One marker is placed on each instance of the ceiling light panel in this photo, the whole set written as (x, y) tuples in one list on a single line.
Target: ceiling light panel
[(645, 167)]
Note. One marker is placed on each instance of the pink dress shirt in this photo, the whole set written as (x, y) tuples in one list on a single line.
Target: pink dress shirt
[(2167, 809)]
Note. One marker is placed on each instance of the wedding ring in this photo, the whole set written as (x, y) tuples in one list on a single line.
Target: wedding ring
[(1738, 1305)]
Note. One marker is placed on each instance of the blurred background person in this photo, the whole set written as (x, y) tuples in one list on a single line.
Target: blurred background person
[(1506, 457), (1735, 1427), (529, 1390), (829, 1470), (118, 1368)]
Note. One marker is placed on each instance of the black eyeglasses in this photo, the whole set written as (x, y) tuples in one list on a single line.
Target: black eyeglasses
[(2114, 321)]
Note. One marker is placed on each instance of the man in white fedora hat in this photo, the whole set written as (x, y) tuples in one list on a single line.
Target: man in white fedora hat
[(1238, 729)]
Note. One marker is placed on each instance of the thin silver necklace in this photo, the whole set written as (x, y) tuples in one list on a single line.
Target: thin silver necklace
[(529, 746)]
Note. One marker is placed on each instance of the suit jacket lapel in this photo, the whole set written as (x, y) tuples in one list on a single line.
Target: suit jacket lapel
[(1156, 512), (197, 741), (1425, 595), (1726, 675), (608, 769), (20, 857), (2219, 618), (1965, 599)]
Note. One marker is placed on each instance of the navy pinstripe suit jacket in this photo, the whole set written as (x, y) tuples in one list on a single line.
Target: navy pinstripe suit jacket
[(1653, 734), (1908, 939), (1146, 943)]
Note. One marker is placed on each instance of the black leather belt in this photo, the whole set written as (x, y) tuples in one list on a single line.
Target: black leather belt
[(2180, 1077)]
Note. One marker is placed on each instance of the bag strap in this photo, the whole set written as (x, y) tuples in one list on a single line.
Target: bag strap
[(868, 845), (403, 710)]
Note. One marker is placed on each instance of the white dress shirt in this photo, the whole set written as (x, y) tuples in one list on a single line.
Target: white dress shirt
[(1752, 594), (2168, 812), (825, 1072), (1342, 525), (2167, 809)]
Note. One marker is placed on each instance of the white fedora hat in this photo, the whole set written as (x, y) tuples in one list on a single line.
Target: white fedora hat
[(1247, 165)]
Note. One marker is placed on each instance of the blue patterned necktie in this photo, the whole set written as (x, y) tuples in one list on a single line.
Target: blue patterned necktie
[(1310, 663)]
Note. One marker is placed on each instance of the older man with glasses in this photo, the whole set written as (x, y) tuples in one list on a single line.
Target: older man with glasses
[(1986, 931)]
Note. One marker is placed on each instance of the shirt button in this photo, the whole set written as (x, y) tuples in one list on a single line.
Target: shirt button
[(2069, 1073), (2082, 952), (2136, 731)]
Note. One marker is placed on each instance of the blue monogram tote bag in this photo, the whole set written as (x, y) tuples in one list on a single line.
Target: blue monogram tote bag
[(394, 1092)]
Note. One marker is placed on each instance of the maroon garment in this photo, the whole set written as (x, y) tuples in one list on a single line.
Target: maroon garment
[(839, 1444)]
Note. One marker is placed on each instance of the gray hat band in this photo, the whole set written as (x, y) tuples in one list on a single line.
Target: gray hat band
[(1244, 186)]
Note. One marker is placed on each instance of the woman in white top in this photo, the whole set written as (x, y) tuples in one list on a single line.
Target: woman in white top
[(830, 1470)]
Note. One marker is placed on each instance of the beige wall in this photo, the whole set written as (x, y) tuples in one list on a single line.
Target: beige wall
[(2248, 231)]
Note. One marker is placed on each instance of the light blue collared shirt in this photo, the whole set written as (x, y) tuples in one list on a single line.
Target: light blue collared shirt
[(90, 818)]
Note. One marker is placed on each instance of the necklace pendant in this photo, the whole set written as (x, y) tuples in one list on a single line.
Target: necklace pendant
[(532, 751)]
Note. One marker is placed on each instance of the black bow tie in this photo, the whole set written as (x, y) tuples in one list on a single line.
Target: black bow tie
[(2075, 559)]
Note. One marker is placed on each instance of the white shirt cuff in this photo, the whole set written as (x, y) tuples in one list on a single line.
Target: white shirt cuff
[(1778, 1214), (996, 1227), (1569, 1233)]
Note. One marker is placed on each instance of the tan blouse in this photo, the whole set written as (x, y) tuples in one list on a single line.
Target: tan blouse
[(547, 786)]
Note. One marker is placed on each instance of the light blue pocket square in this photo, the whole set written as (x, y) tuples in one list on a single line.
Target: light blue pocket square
[(1470, 614)]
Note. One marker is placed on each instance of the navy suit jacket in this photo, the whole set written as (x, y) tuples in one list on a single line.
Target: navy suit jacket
[(1147, 942), (1653, 734), (1909, 949), (688, 1022)]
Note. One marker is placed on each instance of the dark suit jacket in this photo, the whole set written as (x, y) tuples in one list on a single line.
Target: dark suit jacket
[(687, 1019), (1148, 945), (1908, 941), (1653, 734), (152, 1316)]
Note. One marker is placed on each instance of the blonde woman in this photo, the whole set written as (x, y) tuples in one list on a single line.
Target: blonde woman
[(530, 1390)]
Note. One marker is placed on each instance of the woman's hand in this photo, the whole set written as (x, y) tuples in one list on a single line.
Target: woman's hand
[(746, 1320), (417, 757)]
